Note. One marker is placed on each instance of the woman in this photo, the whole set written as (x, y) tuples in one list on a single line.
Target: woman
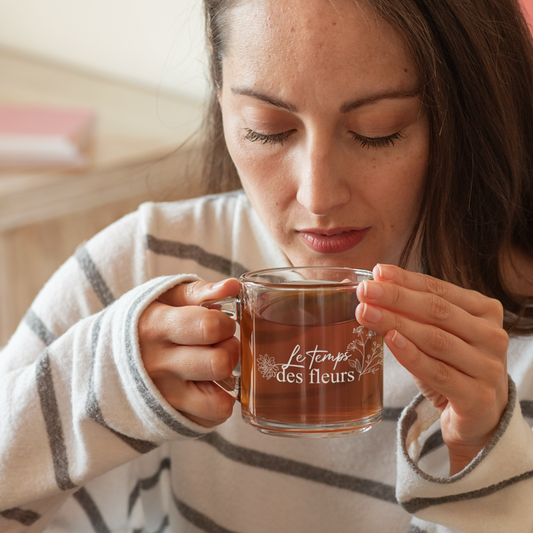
[(383, 135)]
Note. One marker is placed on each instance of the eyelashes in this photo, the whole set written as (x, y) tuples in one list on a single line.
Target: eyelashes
[(263, 138), (377, 142), (368, 142)]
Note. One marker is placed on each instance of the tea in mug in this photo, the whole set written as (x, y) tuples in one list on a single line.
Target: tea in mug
[(307, 366)]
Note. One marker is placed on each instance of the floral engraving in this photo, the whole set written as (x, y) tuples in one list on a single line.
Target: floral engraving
[(369, 363), (267, 366)]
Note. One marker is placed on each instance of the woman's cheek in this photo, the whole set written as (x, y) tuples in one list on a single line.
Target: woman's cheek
[(245, 158), (255, 159)]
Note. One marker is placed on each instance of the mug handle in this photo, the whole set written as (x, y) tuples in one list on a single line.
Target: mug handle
[(231, 384)]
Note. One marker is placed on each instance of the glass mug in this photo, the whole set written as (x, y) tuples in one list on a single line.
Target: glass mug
[(307, 368)]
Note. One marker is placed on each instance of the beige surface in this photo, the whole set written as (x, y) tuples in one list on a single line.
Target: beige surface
[(45, 214)]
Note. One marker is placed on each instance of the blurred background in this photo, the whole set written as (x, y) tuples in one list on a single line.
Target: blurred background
[(155, 43), (138, 67)]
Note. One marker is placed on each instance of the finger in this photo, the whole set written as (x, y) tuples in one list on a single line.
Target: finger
[(195, 363), (428, 308), (470, 408), (471, 301), (185, 325), (448, 384), (436, 343), (197, 292), (205, 403), (433, 372)]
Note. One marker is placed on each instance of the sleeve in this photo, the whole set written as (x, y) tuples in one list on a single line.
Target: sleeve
[(493, 494), (75, 400)]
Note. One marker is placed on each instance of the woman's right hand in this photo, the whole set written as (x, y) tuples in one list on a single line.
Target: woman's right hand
[(185, 348)]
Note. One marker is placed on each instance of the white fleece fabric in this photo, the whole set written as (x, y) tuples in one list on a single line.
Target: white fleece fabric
[(87, 443)]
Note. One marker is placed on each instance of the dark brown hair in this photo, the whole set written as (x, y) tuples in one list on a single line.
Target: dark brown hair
[(475, 63)]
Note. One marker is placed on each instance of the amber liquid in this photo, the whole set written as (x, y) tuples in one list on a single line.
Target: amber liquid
[(306, 365)]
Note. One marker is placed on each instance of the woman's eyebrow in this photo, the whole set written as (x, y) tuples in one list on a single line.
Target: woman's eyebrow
[(245, 91), (345, 108), (385, 95)]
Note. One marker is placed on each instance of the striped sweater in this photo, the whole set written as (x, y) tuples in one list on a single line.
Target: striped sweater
[(87, 443)]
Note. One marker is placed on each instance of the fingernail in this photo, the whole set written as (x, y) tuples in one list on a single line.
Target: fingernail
[(399, 340), (372, 289), (384, 272), (217, 285), (372, 314)]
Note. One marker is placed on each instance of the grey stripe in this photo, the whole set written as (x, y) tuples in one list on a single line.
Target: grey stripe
[(151, 401), (195, 253), (410, 416), (527, 408), (433, 442), (290, 467), (392, 414), (147, 484), (93, 409), (139, 445), (198, 519), (39, 328), (94, 277), (164, 524), (418, 504), (415, 529), (26, 518), (47, 396), (91, 510)]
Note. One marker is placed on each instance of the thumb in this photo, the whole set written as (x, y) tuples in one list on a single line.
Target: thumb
[(197, 292)]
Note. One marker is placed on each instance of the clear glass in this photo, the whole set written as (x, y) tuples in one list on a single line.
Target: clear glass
[(308, 368)]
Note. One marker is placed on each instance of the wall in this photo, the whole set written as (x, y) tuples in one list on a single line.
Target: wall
[(158, 43)]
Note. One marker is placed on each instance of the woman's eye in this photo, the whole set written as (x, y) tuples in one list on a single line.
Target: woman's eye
[(377, 142), (276, 138), (280, 138)]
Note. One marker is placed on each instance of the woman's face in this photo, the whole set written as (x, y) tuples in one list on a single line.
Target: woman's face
[(322, 118)]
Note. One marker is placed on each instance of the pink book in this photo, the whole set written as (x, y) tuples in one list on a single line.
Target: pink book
[(38, 136)]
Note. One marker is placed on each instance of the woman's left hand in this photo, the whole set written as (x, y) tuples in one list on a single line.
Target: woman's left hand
[(453, 343)]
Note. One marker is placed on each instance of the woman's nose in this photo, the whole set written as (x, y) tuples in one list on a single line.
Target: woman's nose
[(322, 186)]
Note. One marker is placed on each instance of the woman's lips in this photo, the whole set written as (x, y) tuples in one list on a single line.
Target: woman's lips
[(332, 241)]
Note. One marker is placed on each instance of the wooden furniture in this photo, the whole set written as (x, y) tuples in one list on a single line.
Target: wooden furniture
[(46, 214)]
